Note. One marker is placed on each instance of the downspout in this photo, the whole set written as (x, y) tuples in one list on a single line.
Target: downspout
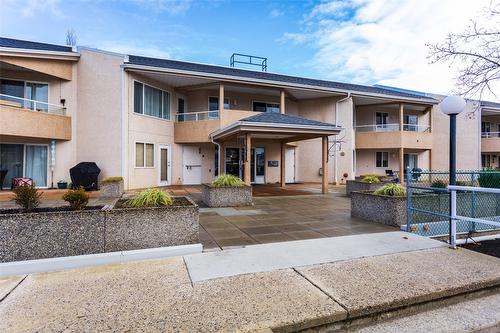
[(335, 167), (218, 155)]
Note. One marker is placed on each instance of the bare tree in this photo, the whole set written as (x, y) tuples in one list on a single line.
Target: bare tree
[(71, 37), (476, 52)]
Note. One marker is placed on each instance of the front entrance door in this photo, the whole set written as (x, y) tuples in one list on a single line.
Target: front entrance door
[(191, 165), (235, 165), (165, 158), (290, 165), (259, 165), (410, 161)]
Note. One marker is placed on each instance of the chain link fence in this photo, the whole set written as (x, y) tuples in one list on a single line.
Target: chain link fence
[(428, 202)]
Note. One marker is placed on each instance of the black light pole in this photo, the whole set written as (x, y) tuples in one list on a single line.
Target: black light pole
[(452, 106)]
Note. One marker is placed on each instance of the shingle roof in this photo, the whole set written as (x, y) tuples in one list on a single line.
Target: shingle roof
[(220, 70), (490, 104), (24, 44), (279, 118)]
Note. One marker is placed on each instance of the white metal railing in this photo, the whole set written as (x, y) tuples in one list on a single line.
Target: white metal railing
[(490, 134), (196, 116), (31, 104), (392, 128), (453, 209)]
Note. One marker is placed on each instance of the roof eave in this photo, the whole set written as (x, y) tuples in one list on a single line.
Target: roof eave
[(59, 55), (277, 83)]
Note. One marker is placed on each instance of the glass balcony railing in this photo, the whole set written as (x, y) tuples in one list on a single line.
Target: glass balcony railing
[(30, 104), (490, 134), (392, 128), (196, 116)]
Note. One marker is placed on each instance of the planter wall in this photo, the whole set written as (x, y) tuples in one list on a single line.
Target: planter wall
[(226, 196), (357, 185), (378, 208), (112, 189), (131, 228), (58, 234)]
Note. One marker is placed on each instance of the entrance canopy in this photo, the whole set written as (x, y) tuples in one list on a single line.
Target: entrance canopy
[(282, 128)]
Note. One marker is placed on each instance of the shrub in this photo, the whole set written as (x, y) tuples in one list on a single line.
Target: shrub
[(27, 196), (439, 184), (370, 179), (114, 179), (491, 180), (227, 180), (391, 190), (152, 197), (77, 199)]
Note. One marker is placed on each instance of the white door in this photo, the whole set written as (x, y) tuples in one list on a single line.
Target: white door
[(191, 157), (290, 165), (164, 174)]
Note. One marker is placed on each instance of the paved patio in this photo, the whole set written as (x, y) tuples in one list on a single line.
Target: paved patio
[(299, 214)]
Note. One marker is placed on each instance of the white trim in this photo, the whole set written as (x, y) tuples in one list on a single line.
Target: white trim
[(169, 164), (90, 260), (276, 83), (135, 155)]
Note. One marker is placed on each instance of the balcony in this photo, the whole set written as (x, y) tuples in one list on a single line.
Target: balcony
[(195, 127), (390, 136), (490, 142), (23, 117)]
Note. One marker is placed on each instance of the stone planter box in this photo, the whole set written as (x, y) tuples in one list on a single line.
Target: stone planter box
[(140, 228), (25, 236), (379, 208), (111, 189), (226, 196), (358, 185)]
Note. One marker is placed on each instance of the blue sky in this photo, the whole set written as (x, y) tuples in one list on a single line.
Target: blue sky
[(361, 41)]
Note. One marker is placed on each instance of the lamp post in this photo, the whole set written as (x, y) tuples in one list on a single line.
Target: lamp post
[(452, 106)]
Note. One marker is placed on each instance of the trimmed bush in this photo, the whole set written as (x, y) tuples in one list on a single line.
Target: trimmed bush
[(491, 180), (114, 179), (370, 179), (391, 190), (439, 184), (27, 196), (77, 199), (227, 180), (152, 197)]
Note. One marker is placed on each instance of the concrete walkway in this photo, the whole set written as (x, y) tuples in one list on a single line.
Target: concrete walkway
[(158, 295)]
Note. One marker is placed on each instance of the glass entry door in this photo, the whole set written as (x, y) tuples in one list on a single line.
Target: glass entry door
[(36, 164), (233, 162), (164, 155), (12, 160), (259, 165), (235, 165)]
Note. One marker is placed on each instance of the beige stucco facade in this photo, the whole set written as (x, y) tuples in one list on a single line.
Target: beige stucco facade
[(100, 124)]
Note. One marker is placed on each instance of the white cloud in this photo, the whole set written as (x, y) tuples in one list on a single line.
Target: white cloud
[(275, 13), (383, 41), (172, 7), (30, 8)]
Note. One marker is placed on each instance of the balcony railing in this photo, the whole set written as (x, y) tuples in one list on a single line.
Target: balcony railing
[(490, 134), (392, 128), (196, 116), (31, 104)]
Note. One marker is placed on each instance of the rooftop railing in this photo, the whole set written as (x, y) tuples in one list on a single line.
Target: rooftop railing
[(392, 128), (31, 104), (196, 116)]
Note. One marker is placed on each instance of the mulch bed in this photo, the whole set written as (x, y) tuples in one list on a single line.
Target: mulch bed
[(490, 247)]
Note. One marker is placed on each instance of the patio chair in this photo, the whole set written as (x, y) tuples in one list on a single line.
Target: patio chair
[(3, 173)]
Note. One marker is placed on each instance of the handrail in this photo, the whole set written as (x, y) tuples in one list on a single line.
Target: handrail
[(197, 116), (31, 104), (453, 211), (393, 127), (490, 134)]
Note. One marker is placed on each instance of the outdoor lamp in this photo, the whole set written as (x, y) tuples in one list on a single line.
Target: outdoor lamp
[(452, 105)]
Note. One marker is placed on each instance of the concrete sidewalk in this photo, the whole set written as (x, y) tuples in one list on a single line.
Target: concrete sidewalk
[(158, 295)]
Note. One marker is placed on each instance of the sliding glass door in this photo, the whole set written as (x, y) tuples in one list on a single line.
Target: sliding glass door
[(11, 159), (36, 164)]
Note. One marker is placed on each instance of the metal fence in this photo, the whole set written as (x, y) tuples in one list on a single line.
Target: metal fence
[(428, 202)]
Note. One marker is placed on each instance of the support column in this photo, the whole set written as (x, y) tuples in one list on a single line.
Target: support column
[(324, 164), (248, 158), (283, 165), (401, 112), (282, 101), (222, 158), (401, 166), (221, 99)]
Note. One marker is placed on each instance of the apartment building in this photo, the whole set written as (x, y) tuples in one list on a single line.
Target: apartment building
[(160, 122)]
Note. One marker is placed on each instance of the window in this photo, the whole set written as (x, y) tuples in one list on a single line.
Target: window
[(382, 159), (266, 107), (150, 101), (410, 123), (213, 103), (381, 119), (144, 155), (20, 89)]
